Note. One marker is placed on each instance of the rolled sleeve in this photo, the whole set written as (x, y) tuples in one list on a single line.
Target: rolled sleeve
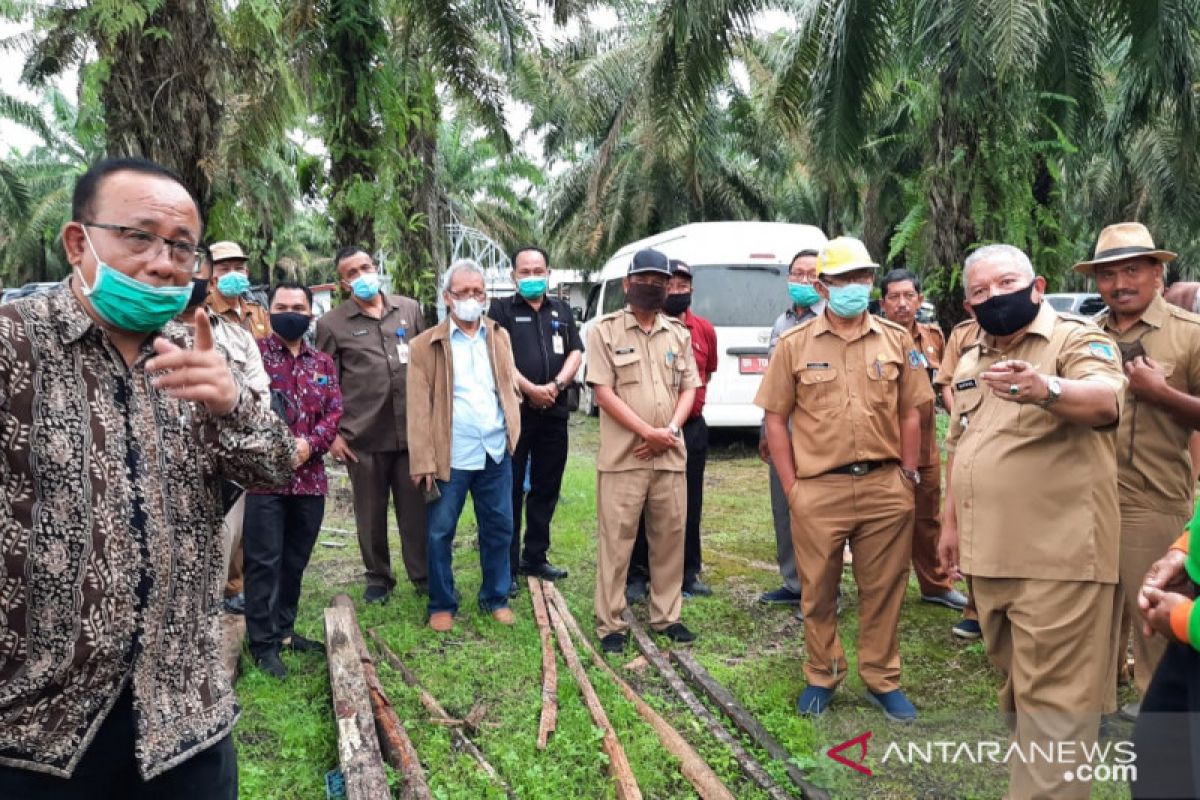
[(600, 371)]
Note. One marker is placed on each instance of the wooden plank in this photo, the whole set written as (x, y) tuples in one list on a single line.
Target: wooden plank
[(747, 762), (702, 777), (397, 747), (549, 718), (358, 747), (457, 737), (744, 720), (233, 631), (618, 765)]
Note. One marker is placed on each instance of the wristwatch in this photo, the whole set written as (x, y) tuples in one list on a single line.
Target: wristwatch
[(674, 429), (1053, 392), (559, 385)]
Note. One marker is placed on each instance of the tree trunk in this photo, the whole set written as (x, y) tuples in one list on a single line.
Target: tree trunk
[(953, 229), (162, 96)]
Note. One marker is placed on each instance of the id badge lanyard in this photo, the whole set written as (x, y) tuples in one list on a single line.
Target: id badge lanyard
[(401, 345)]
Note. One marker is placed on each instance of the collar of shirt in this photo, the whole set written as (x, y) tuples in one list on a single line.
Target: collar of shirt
[(660, 322), (1042, 325), (1155, 315), (219, 303), (388, 305), (480, 332), (867, 324), (276, 344), (812, 311)]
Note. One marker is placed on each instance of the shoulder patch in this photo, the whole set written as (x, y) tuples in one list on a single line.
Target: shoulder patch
[(1104, 350)]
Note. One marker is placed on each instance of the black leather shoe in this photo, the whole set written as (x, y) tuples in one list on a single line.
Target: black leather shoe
[(376, 594), (696, 588), (614, 643), (678, 632), (301, 644), (271, 665), (546, 571), (514, 588), (635, 591)]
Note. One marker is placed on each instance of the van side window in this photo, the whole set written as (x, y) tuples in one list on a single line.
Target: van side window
[(593, 299), (614, 295)]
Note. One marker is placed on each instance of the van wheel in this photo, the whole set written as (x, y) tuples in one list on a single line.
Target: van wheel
[(587, 402)]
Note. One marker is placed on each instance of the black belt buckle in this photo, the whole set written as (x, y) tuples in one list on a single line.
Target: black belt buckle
[(860, 468)]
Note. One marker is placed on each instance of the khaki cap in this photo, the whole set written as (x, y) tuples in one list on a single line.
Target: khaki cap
[(227, 251), (1121, 242)]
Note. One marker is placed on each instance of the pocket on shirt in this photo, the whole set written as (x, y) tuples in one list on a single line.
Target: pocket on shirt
[(628, 367), (818, 389), (883, 378)]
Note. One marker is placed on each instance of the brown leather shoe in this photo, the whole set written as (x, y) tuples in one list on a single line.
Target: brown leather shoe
[(504, 616), (441, 621)]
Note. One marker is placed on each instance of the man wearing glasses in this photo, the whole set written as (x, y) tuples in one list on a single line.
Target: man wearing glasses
[(118, 424), (228, 293), (368, 338), (846, 382)]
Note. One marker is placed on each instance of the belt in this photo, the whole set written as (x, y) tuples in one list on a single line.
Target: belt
[(858, 468)]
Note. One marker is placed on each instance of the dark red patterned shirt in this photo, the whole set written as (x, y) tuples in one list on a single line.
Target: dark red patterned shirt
[(312, 402)]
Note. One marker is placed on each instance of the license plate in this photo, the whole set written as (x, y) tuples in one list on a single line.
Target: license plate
[(752, 365)]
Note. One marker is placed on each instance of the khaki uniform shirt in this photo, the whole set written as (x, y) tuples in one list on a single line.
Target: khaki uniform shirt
[(845, 396), (247, 314), (372, 360), (1035, 495), (1154, 467), (964, 332), (931, 344), (647, 371)]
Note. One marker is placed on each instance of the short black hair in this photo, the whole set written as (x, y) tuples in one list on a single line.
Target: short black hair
[(899, 276), (530, 248), (808, 253), (88, 183), (345, 252), (290, 285)]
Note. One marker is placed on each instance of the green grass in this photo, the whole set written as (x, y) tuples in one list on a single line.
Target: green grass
[(286, 736)]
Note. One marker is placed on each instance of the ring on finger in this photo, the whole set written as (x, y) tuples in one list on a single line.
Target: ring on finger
[(1014, 390)]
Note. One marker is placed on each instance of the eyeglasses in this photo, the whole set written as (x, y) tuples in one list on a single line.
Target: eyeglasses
[(480, 295), (147, 246)]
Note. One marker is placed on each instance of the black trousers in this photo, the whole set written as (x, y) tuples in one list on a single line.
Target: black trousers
[(1167, 736), (543, 444), (695, 440), (277, 540), (108, 770)]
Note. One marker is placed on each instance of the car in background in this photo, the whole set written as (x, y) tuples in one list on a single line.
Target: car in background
[(1085, 304), (17, 292)]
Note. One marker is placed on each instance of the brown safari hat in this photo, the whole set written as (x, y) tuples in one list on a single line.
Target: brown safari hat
[(1123, 241), (227, 251)]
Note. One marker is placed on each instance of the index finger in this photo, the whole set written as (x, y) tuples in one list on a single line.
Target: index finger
[(204, 337)]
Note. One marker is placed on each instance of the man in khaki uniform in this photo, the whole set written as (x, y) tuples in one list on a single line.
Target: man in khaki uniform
[(1160, 346), (1031, 508), (852, 386), (227, 296), (900, 297), (641, 366)]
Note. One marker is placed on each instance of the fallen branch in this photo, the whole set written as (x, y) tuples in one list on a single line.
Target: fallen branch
[(460, 740), (618, 764), (549, 718), (358, 747), (393, 738), (694, 768), (744, 720), (747, 762)]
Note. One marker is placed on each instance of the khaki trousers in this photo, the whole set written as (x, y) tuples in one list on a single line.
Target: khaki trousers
[(1146, 535), (927, 527), (621, 498), (231, 533), (875, 514), (376, 479), (1052, 642)]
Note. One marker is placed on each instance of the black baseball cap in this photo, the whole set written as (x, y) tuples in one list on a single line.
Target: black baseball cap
[(680, 268), (649, 261)]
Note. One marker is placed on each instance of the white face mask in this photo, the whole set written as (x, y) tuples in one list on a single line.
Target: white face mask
[(468, 310)]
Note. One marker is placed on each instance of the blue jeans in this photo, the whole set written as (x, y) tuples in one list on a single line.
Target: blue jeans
[(491, 492)]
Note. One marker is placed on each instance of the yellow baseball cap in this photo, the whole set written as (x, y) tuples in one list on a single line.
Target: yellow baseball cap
[(844, 254)]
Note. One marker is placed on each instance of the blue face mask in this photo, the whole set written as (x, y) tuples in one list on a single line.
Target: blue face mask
[(367, 285), (129, 304), (849, 301), (233, 284), (532, 288), (803, 294)]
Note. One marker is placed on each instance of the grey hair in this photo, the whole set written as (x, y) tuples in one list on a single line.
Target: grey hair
[(462, 265), (999, 252)]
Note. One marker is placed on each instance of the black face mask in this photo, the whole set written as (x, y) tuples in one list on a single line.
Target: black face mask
[(1005, 314), (676, 304), (646, 296), (199, 292), (290, 325)]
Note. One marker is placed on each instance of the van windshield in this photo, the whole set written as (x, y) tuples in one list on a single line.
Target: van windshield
[(740, 295)]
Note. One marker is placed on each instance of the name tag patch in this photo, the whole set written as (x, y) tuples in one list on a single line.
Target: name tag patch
[(522, 319), (962, 386), (817, 365), (359, 333), (623, 350)]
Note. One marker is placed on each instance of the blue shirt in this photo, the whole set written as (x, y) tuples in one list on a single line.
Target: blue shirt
[(478, 420)]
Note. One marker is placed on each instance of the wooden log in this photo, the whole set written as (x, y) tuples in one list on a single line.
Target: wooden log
[(747, 762), (549, 718), (457, 737), (397, 747), (618, 765), (744, 720), (233, 631), (706, 782), (358, 747)]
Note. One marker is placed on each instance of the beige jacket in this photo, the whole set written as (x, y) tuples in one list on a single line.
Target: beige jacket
[(431, 396)]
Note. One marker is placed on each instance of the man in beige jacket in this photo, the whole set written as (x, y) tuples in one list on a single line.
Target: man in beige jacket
[(463, 424)]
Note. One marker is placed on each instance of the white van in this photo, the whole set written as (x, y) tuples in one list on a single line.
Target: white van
[(740, 285)]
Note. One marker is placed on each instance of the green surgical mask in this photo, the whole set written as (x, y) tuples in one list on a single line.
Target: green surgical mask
[(129, 304), (532, 288)]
